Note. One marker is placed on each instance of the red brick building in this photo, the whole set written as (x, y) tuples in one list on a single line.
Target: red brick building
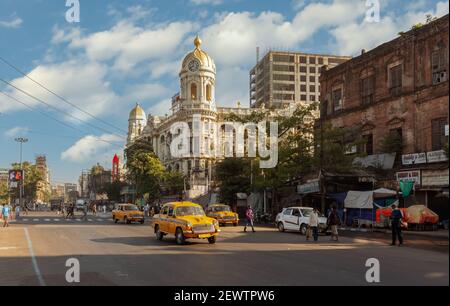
[(399, 89)]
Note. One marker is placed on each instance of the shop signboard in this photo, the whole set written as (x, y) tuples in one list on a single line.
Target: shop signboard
[(413, 175), (437, 156), (435, 178), (310, 187), (414, 159)]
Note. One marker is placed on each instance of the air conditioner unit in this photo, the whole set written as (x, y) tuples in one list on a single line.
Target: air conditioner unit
[(439, 77)]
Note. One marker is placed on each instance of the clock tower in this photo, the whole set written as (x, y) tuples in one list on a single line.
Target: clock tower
[(198, 79)]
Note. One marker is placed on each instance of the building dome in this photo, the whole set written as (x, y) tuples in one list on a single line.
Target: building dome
[(206, 62), (137, 113)]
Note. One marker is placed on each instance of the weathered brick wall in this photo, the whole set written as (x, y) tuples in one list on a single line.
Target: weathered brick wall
[(420, 101)]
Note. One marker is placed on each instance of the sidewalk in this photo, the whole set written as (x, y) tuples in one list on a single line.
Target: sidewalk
[(435, 234)]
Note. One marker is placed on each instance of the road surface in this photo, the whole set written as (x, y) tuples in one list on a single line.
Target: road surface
[(34, 251)]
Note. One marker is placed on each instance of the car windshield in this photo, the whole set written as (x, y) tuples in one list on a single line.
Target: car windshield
[(130, 207), (220, 208), (189, 211), (307, 212)]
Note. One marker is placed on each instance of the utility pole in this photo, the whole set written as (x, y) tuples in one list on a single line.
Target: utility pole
[(321, 173), (21, 141)]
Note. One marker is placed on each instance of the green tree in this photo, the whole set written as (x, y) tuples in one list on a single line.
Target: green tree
[(233, 177), (174, 183), (4, 193), (392, 143), (302, 148), (147, 172), (32, 178), (112, 190)]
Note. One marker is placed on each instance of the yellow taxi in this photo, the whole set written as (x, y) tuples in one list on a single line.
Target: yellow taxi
[(223, 214), (128, 213), (185, 220)]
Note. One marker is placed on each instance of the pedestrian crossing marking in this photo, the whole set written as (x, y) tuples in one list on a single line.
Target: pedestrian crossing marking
[(90, 220), (35, 220), (47, 220), (57, 220)]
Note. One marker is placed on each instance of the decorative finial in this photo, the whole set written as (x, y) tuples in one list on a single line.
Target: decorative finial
[(239, 104), (197, 42)]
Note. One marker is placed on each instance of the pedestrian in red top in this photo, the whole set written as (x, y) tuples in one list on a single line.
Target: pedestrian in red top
[(249, 218)]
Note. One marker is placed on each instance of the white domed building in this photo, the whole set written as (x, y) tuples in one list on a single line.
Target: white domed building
[(196, 99), (136, 123)]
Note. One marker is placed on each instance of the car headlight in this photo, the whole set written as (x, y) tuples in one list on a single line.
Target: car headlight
[(215, 222), (189, 225)]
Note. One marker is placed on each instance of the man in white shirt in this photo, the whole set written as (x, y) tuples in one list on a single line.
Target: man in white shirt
[(314, 224)]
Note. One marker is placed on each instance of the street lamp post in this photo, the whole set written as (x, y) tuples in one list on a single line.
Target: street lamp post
[(21, 140)]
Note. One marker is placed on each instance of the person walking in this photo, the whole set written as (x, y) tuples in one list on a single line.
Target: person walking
[(333, 222), (396, 224), (70, 211), (314, 224), (5, 213), (17, 211), (94, 209), (249, 218), (85, 211), (146, 209)]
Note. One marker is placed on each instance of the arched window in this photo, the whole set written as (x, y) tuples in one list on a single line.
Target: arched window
[(208, 93), (194, 91)]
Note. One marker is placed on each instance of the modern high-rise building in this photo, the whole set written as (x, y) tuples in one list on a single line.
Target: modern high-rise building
[(281, 78)]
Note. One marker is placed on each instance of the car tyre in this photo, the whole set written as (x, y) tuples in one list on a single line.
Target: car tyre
[(158, 233), (212, 240), (303, 229), (281, 227), (179, 236), (142, 221)]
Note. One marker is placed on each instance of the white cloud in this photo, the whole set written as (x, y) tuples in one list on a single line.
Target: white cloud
[(81, 82), (206, 2), (146, 91), (232, 87), (17, 131), (442, 8), (234, 38), (161, 108), (351, 38), (14, 23), (129, 45), (89, 148), (298, 4)]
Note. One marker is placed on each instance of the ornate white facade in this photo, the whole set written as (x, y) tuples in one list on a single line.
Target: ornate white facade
[(195, 99)]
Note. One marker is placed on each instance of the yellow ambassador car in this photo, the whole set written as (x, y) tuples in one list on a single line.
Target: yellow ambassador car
[(223, 214), (128, 213), (185, 220)]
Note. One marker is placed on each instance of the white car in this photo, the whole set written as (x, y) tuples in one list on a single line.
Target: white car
[(297, 219)]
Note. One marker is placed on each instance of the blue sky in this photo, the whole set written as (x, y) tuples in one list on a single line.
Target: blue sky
[(123, 52)]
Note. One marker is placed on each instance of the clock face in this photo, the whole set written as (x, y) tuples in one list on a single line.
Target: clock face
[(193, 66)]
